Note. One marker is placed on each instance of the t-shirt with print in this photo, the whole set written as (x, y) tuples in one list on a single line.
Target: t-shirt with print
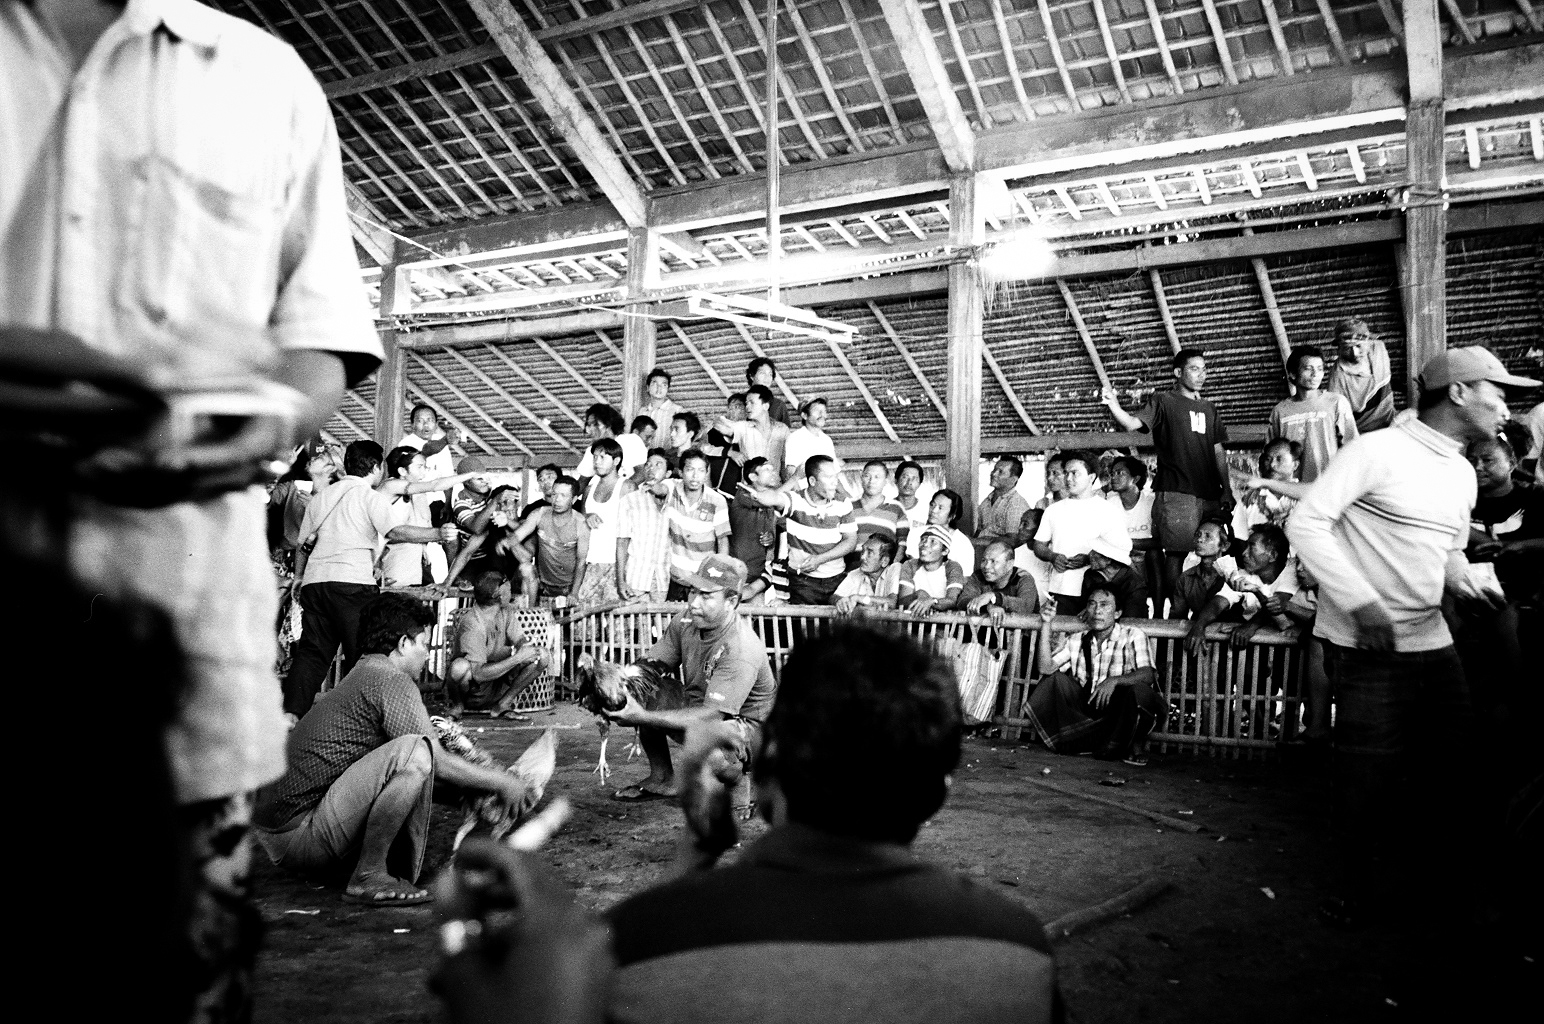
[(1322, 424), (1185, 432), (1139, 517), (815, 529), (749, 519), (725, 668)]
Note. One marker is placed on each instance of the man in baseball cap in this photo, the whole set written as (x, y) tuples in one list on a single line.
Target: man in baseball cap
[(1383, 531), (724, 671)]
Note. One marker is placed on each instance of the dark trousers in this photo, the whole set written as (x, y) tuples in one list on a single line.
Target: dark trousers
[(1065, 721), (804, 589), (1403, 733), (329, 616)]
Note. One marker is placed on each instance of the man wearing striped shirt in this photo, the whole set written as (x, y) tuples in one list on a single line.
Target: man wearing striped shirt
[(699, 522), (822, 529), (877, 514)]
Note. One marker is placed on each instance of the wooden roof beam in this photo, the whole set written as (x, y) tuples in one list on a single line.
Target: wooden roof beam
[(1111, 51), (1156, 22), (568, 368), (910, 360), (572, 121), (702, 360), (1220, 38), (1056, 55), (1278, 38), (1014, 74), (919, 51), (418, 69), (553, 400), (1083, 333), (1002, 382), (466, 400), (1332, 28), (513, 402), (1156, 280), (365, 222), (1326, 102), (863, 389)]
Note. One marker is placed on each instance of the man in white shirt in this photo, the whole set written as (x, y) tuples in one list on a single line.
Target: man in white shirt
[(427, 436), (1069, 528), (171, 193), (758, 434), (602, 420), (1383, 532), (810, 439), (336, 578)]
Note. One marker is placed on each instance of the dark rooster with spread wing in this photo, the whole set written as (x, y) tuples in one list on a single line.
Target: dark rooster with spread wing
[(605, 686)]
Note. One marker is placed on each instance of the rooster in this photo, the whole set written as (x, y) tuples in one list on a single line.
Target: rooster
[(605, 686), (534, 768)]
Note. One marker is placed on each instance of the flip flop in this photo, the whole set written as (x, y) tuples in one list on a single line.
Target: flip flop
[(637, 794), (513, 716), (388, 897), (1135, 760)]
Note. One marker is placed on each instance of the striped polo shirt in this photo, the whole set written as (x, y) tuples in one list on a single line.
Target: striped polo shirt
[(886, 519), (815, 529), (695, 528)]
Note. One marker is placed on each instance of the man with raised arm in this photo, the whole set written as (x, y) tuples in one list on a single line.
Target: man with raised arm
[(1188, 434)]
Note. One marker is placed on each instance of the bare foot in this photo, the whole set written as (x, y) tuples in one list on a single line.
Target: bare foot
[(384, 891)]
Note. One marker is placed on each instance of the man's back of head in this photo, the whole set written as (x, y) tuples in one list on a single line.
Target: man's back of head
[(852, 700)]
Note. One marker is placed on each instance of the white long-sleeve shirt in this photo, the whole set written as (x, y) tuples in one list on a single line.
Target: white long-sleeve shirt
[(1380, 525)]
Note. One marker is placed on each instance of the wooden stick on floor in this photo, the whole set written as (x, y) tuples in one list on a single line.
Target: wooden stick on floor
[(1163, 819), (1125, 903)]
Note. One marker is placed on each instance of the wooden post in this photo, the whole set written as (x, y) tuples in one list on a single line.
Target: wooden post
[(637, 330), (1423, 283), (963, 393), (391, 378)]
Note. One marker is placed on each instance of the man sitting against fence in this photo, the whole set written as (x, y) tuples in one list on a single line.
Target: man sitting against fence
[(998, 587), (362, 768), (493, 663), (875, 583), (1096, 690)]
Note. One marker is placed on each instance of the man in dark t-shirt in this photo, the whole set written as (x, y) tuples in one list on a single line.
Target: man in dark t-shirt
[(1188, 435), (753, 526), (362, 767)]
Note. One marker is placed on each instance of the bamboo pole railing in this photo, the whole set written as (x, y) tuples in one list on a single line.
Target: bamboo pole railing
[(1234, 701)]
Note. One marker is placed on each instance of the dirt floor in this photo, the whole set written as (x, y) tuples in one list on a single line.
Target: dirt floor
[(1235, 936)]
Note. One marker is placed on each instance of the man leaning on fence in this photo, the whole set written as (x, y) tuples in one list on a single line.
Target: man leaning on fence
[(1096, 690)]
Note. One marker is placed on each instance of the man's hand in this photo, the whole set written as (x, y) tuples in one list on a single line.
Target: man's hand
[(846, 605), (1108, 397), (515, 793), (1047, 611), (770, 499), (631, 713), (979, 604), (1101, 694), (1079, 561), (1276, 604), (516, 944), (1228, 501), (923, 604), (1241, 634), (1195, 638), (595, 521), (1374, 628), (449, 533), (1061, 563)]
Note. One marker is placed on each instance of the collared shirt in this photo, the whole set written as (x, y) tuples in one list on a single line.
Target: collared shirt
[(725, 669), (999, 515), (374, 703), (694, 528), (159, 206), (815, 529), (349, 520), (1125, 650), (1380, 526), (661, 413), (642, 520)]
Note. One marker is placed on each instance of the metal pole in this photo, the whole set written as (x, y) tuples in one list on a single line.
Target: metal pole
[(774, 220)]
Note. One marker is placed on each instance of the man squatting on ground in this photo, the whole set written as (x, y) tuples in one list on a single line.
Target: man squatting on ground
[(723, 669), (362, 768), (831, 895), (493, 662)]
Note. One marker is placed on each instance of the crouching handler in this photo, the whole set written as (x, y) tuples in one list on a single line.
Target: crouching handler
[(1096, 692), (724, 673), (362, 768), (494, 662)]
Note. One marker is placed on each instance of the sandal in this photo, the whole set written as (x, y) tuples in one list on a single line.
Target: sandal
[(512, 715), (637, 794), (1135, 760)]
